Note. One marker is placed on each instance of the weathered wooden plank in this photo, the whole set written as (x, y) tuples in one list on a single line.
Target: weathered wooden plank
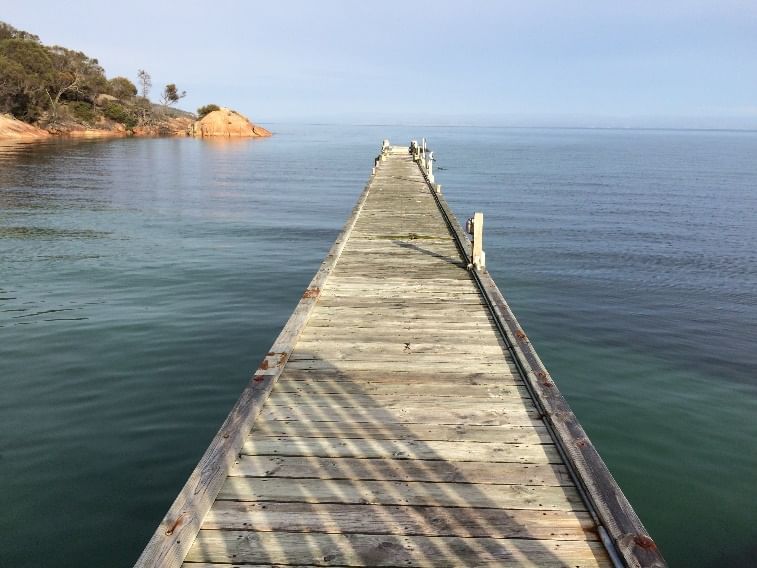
[(440, 250), (481, 348), (359, 401), (536, 497), (389, 550), (439, 389), (436, 269), (446, 414), (409, 292), (507, 376), (420, 331), (397, 352), (417, 363), (386, 298), (399, 279), (423, 311), (344, 430), (420, 257), (382, 261), (458, 305), (357, 269), (401, 449), (397, 322), (363, 338), (409, 520), (383, 469), (367, 360), (398, 319)]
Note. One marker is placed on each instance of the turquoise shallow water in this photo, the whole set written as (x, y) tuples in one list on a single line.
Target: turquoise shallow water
[(142, 280)]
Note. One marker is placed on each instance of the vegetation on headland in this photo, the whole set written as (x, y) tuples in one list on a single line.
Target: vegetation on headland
[(65, 91), (203, 111)]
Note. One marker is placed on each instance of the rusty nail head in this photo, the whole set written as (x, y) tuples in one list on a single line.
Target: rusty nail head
[(311, 293), (645, 542), (175, 524)]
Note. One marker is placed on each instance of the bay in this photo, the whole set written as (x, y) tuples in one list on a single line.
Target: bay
[(141, 281)]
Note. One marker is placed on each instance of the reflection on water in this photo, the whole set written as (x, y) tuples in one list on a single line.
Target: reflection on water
[(49, 233), (141, 281)]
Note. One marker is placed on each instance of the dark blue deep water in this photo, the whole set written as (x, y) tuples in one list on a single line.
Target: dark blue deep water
[(142, 280)]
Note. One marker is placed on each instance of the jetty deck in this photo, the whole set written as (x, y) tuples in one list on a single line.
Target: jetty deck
[(401, 418)]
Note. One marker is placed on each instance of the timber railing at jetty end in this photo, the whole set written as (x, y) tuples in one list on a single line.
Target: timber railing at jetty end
[(401, 417)]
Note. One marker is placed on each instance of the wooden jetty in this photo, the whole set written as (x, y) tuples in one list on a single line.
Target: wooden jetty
[(401, 417)]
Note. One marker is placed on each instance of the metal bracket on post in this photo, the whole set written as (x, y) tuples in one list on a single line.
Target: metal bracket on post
[(475, 228)]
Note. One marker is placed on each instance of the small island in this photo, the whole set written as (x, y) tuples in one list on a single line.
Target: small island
[(220, 121), (55, 91)]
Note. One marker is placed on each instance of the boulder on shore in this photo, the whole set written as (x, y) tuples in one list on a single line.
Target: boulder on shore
[(11, 128), (167, 126), (228, 123)]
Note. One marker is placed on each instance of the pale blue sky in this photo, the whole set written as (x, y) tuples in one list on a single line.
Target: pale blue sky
[(661, 63)]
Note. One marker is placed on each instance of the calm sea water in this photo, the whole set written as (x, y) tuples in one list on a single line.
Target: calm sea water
[(141, 281)]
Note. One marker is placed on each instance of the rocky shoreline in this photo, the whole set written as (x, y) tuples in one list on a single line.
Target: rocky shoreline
[(221, 123)]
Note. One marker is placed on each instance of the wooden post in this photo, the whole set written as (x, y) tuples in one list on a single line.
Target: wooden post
[(475, 226), (430, 167), (438, 188)]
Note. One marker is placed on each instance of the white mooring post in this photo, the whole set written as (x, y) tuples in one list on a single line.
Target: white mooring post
[(384, 150), (430, 167), (475, 227)]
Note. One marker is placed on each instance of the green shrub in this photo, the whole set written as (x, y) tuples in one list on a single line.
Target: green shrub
[(207, 109), (120, 113), (122, 88), (81, 111)]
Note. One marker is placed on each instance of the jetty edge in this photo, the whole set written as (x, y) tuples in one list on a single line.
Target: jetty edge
[(402, 416)]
